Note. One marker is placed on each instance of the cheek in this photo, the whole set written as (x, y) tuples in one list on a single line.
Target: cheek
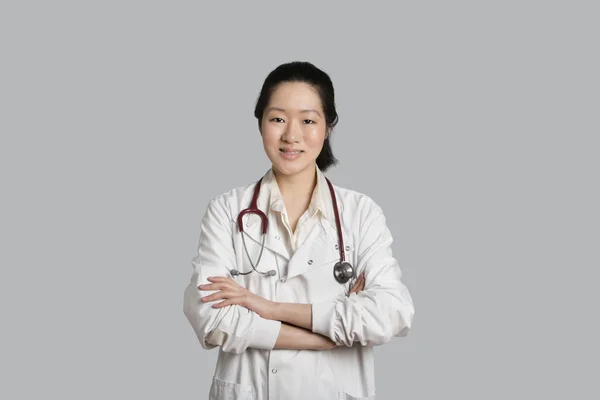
[(270, 137), (314, 139)]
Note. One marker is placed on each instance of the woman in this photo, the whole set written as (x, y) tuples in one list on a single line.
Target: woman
[(288, 322)]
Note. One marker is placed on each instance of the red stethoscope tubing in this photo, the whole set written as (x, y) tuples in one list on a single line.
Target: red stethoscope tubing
[(253, 209)]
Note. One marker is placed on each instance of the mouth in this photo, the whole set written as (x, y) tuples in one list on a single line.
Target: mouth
[(290, 151)]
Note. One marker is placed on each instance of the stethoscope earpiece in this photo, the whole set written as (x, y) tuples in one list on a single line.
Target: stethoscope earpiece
[(343, 271)]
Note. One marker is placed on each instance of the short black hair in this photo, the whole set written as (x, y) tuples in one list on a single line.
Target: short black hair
[(306, 72)]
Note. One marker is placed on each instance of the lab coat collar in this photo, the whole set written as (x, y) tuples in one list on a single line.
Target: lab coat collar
[(253, 224)]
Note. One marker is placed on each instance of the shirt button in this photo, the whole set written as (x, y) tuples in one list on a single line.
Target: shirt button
[(274, 371), (282, 280), (337, 247), (309, 262), (277, 237)]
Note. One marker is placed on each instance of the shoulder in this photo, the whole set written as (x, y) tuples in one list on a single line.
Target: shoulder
[(228, 203), (363, 218), (357, 204)]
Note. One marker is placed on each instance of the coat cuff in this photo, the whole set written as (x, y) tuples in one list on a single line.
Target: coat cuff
[(265, 334), (323, 317)]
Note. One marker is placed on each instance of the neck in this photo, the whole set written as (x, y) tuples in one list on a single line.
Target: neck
[(298, 185)]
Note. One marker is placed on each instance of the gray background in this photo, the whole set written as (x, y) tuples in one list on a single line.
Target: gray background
[(473, 124)]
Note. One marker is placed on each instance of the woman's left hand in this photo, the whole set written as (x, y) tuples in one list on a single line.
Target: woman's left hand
[(234, 294)]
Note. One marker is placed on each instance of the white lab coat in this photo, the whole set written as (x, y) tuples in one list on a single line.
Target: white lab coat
[(248, 367)]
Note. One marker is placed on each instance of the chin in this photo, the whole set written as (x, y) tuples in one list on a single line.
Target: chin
[(290, 168)]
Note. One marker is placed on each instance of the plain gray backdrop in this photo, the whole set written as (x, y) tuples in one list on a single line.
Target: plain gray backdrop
[(473, 124)]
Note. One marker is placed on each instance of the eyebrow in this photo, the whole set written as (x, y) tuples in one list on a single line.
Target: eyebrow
[(302, 111)]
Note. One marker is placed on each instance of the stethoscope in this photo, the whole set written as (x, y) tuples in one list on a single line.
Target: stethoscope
[(342, 270)]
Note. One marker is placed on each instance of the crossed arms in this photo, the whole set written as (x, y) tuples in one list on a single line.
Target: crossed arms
[(374, 313)]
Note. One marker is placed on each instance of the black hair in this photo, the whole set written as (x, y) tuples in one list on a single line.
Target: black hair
[(302, 71)]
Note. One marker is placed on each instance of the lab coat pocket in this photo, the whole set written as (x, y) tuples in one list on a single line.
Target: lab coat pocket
[(346, 396), (222, 390)]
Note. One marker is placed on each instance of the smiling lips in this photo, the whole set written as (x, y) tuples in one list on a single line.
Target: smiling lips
[(290, 154)]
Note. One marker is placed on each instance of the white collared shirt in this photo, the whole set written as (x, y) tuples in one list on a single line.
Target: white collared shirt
[(248, 366), (317, 207)]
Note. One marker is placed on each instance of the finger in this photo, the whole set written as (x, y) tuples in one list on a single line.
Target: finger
[(223, 280), (219, 295), (220, 283), (231, 301), (358, 280), (217, 278), (224, 303), (356, 286), (211, 286), (359, 285)]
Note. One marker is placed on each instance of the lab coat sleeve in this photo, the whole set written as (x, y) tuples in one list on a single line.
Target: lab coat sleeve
[(383, 310), (234, 328)]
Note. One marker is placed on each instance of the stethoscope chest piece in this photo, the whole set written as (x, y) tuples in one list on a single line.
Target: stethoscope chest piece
[(343, 271)]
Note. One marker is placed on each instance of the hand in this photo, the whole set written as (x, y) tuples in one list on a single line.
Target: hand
[(359, 284), (234, 294)]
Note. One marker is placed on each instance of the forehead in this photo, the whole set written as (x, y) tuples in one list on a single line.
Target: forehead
[(295, 96)]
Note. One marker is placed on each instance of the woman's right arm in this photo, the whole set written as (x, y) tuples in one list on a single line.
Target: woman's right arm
[(234, 328)]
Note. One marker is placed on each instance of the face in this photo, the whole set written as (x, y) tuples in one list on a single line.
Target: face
[(293, 128)]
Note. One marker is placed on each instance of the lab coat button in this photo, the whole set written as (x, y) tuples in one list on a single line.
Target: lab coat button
[(337, 247), (277, 237), (282, 280), (309, 262), (274, 371), (347, 248)]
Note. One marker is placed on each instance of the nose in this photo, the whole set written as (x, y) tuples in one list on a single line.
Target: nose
[(292, 133)]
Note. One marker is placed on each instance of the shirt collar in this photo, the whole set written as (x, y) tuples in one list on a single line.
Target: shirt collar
[(320, 201)]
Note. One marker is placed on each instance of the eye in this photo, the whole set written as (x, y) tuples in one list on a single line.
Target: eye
[(309, 121), (276, 119)]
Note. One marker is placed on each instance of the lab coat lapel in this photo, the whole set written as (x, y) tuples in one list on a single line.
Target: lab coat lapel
[(253, 223), (317, 250), (273, 242), (321, 247)]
